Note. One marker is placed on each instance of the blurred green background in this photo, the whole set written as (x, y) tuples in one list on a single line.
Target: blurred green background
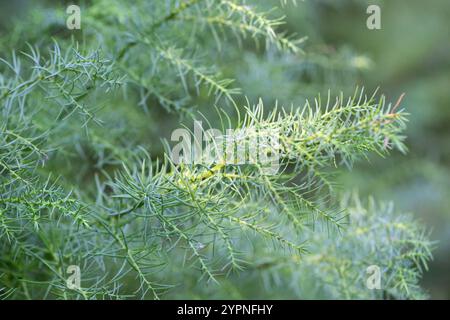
[(410, 54)]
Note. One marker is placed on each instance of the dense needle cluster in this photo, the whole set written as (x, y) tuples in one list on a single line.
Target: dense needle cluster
[(83, 182)]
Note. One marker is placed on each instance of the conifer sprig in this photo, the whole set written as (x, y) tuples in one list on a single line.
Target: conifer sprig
[(75, 190)]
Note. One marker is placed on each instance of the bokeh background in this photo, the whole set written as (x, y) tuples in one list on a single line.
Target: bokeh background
[(410, 54)]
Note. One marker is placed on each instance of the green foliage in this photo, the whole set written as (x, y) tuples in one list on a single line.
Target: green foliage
[(336, 266), (81, 184)]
